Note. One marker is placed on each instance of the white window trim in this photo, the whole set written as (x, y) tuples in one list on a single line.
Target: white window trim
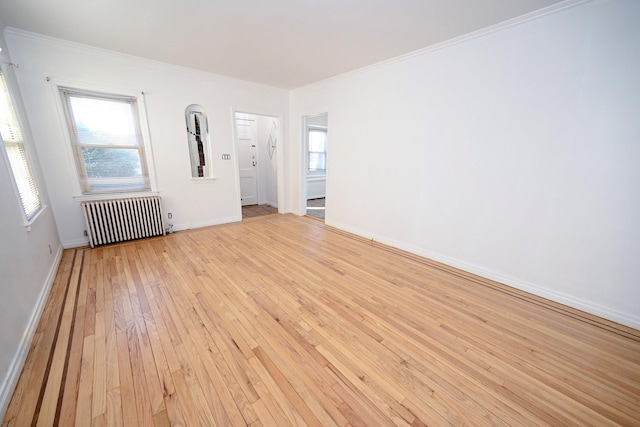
[(203, 180), (7, 71), (55, 84), (113, 196)]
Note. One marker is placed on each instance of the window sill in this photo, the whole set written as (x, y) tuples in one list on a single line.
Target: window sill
[(111, 196), (32, 221), (316, 177), (203, 180)]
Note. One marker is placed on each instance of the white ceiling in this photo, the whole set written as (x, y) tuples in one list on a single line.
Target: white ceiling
[(282, 43)]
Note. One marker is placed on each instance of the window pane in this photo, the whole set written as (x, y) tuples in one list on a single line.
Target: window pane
[(316, 162), (110, 185), (317, 150), (107, 140), (317, 139), (104, 121), (9, 127), (112, 162)]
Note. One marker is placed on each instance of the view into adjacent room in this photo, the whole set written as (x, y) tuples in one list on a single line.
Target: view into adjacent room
[(316, 138), (256, 141)]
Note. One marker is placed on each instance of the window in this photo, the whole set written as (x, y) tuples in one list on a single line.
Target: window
[(13, 142), (107, 141), (317, 150)]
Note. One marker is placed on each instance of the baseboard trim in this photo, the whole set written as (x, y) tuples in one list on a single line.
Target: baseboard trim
[(449, 263), (15, 368), (208, 223), (70, 244)]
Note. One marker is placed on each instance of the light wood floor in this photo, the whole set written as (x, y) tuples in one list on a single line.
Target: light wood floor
[(282, 321)]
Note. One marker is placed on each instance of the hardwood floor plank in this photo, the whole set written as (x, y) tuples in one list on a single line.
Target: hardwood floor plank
[(141, 390), (24, 402), (85, 391), (201, 401), (55, 376), (317, 395), (292, 395), (99, 402), (161, 419), (111, 293), (356, 404), (164, 334), (113, 413), (149, 369), (231, 407), (67, 410), (127, 392), (284, 404), (209, 396), (435, 395), (284, 321), (271, 405), (184, 401), (264, 416)]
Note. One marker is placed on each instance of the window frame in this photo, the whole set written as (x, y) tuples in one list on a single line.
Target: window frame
[(144, 146), (78, 147), (29, 155), (316, 128)]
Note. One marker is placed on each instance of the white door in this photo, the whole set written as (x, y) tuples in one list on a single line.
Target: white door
[(246, 131)]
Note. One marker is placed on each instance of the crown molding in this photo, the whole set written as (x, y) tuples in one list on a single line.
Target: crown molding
[(67, 44), (546, 11), (531, 16)]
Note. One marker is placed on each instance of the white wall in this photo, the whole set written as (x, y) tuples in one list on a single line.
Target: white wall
[(513, 154), (318, 120), (168, 91), (27, 266)]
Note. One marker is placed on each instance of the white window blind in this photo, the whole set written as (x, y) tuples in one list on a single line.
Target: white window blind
[(317, 150), (107, 141), (17, 155)]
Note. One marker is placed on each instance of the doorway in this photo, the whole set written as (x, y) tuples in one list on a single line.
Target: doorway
[(316, 131), (256, 142)]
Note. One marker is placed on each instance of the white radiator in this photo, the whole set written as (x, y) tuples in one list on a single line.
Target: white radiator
[(111, 221)]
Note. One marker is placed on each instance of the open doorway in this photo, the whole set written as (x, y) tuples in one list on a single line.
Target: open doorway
[(316, 128), (256, 142)]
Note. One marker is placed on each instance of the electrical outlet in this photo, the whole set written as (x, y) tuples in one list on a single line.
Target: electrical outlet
[(85, 233), (170, 215), (50, 250), (226, 157)]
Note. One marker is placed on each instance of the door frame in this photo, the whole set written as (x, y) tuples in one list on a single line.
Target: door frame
[(305, 158), (256, 152), (280, 191)]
